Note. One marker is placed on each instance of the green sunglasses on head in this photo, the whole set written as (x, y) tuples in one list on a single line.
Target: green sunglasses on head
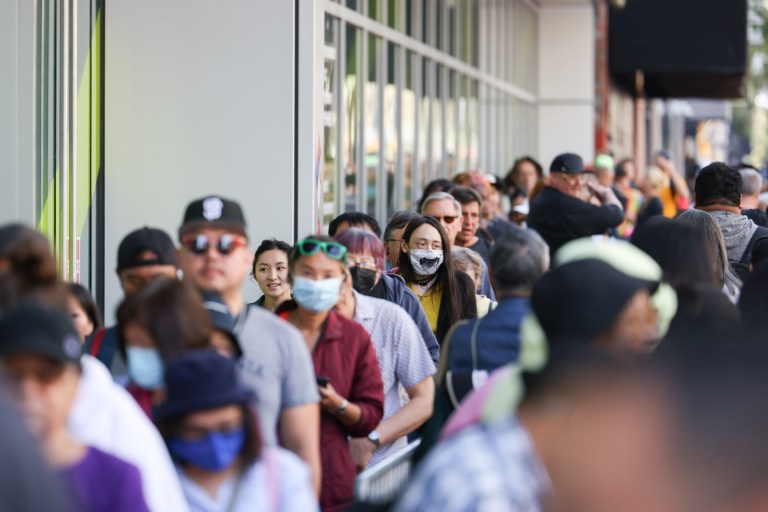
[(333, 250)]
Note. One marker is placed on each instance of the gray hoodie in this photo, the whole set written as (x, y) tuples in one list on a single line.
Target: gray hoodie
[(737, 230)]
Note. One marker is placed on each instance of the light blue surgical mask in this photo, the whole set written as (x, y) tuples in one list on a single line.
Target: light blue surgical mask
[(316, 296), (214, 452), (145, 367)]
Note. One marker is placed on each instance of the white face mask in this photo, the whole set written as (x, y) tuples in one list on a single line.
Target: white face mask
[(426, 262)]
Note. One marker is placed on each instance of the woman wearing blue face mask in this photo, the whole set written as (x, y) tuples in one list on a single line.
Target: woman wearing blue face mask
[(212, 434), (447, 295), (153, 325), (349, 379)]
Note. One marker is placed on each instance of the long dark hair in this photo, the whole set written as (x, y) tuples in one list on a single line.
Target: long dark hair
[(83, 297), (446, 275), (251, 450)]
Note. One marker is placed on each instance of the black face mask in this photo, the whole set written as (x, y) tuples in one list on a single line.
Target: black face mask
[(363, 279)]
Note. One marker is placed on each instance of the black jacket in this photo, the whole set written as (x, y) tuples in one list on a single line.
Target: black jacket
[(560, 218)]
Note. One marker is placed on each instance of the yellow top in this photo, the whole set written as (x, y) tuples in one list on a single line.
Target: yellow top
[(430, 302), (668, 202)]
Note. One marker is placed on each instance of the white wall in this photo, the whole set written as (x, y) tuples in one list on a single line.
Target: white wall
[(199, 100), (16, 113), (566, 80)]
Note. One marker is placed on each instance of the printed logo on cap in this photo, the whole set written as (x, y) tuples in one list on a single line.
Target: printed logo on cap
[(212, 208), (71, 346)]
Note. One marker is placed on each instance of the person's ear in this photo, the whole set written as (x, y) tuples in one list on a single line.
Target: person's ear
[(404, 246)]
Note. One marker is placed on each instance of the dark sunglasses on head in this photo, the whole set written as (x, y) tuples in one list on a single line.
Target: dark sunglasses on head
[(448, 219), (200, 244), (333, 250)]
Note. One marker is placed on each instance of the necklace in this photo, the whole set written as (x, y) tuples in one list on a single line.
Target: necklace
[(421, 281), (425, 287)]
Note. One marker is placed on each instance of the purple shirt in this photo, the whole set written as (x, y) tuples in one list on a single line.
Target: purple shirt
[(101, 482)]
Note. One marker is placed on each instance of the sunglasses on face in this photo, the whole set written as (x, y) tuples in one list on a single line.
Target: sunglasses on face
[(333, 250), (448, 219), (225, 245)]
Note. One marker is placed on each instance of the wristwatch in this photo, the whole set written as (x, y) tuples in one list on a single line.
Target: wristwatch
[(374, 438), (342, 407)]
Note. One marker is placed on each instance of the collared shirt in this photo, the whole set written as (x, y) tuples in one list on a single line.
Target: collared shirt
[(401, 352), (487, 467), (279, 480)]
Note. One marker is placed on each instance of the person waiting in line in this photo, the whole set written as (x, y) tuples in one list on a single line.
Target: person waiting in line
[(710, 231), (525, 173), (471, 204), (103, 415), (40, 352), (154, 325), (752, 186), (446, 294), (753, 304), (718, 192), (558, 213), (447, 210), (470, 262), (215, 258), (402, 355), (685, 256), (213, 436), (270, 270), (492, 222), (370, 279), (348, 373), (393, 234), (142, 256), (353, 220), (674, 194), (83, 310), (625, 175)]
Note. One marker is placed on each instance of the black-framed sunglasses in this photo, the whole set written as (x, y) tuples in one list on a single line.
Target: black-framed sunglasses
[(333, 250), (199, 244)]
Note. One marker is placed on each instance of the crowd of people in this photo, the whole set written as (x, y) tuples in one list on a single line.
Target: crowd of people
[(582, 339)]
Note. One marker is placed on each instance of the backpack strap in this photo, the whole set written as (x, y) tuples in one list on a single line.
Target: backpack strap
[(98, 338), (760, 233)]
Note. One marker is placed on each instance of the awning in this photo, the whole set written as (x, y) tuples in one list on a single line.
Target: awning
[(684, 48)]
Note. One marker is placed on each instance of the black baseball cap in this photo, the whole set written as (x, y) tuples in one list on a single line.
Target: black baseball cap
[(570, 163), (215, 212), (30, 329), (134, 247), (578, 301)]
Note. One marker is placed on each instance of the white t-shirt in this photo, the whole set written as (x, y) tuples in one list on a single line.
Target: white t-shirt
[(105, 416)]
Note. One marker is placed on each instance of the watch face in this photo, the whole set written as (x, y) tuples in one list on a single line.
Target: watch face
[(374, 437)]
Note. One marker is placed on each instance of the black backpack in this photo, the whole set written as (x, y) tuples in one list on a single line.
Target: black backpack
[(742, 266)]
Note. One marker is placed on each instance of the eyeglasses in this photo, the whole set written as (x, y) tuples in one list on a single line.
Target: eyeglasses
[(225, 245), (333, 250), (370, 265), (448, 219)]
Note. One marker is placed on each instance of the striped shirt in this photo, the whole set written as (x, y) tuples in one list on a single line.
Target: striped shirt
[(403, 356)]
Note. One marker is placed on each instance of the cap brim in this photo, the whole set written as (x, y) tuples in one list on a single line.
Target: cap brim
[(31, 347), (171, 409), (216, 224)]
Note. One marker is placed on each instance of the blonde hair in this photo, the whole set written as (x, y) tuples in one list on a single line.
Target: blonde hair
[(466, 259), (657, 179)]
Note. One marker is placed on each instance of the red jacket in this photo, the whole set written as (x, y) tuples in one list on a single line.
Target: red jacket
[(345, 354)]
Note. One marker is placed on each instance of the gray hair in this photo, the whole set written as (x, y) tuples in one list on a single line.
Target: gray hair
[(439, 196), (518, 260), (704, 222), (752, 182), (398, 220), (466, 259)]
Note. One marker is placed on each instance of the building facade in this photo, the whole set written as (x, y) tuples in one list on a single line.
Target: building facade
[(116, 114)]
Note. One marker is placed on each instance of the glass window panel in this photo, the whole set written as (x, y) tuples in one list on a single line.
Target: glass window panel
[(408, 127), (372, 127), (331, 167), (525, 47), (350, 140), (438, 124), (452, 165), (390, 141)]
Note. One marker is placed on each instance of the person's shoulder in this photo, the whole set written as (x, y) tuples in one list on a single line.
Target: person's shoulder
[(110, 466), (259, 321)]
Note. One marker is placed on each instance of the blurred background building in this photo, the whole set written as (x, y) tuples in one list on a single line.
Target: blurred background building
[(114, 114)]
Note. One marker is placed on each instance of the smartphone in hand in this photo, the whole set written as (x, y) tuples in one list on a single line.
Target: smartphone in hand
[(322, 381)]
